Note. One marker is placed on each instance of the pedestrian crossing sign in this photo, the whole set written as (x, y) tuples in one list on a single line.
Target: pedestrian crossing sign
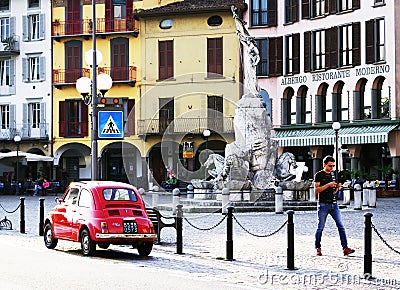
[(111, 124)]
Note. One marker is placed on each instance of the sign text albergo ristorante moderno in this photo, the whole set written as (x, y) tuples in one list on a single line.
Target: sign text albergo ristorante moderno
[(333, 75)]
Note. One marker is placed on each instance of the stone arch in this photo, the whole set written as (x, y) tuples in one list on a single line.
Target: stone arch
[(320, 103), (303, 106), (322, 89), (287, 106), (360, 103)]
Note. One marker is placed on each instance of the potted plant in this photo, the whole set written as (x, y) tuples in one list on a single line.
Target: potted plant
[(56, 22)]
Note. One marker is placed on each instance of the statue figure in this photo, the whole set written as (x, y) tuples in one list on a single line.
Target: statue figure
[(284, 165), (252, 53), (218, 161)]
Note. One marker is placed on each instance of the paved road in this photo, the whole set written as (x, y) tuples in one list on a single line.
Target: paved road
[(261, 262)]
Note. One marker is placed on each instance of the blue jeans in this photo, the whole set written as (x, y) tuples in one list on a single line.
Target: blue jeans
[(325, 209)]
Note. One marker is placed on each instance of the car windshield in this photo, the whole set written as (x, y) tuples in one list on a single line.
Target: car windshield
[(119, 194)]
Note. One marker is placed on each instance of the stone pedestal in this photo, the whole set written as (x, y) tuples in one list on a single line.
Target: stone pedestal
[(203, 193), (288, 195), (235, 196)]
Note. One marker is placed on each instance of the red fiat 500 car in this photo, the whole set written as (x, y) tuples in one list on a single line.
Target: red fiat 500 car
[(100, 213)]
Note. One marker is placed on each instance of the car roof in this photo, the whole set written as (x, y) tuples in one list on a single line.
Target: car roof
[(102, 183)]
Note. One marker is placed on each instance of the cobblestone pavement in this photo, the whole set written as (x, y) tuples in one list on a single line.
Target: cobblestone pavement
[(261, 262)]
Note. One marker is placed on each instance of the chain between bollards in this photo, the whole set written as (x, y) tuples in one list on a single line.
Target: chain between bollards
[(179, 223), (229, 235), (290, 241), (22, 217), (368, 245), (41, 216)]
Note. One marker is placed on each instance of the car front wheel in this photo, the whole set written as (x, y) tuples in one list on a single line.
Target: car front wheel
[(49, 240), (87, 245), (144, 249)]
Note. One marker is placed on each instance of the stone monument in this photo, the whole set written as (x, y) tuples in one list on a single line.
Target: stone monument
[(250, 161)]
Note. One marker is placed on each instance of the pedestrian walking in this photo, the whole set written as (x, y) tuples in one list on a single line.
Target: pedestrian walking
[(326, 188)]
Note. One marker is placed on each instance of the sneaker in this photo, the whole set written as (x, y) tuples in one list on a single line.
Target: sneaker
[(348, 251), (319, 253)]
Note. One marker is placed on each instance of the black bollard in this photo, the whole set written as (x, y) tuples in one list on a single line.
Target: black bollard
[(179, 223), (229, 235), (368, 245), (41, 216), (290, 241), (22, 218)]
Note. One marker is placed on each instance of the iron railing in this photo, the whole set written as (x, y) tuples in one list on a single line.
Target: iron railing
[(69, 76), (184, 125), (103, 25), (122, 73), (26, 131), (10, 46)]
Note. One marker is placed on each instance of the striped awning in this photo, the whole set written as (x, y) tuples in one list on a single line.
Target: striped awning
[(368, 134)]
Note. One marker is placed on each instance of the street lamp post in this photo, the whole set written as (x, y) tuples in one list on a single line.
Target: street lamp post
[(84, 86), (336, 127), (206, 134), (17, 140)]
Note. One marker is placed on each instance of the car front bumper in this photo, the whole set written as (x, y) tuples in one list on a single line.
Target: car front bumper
[(126, 236)]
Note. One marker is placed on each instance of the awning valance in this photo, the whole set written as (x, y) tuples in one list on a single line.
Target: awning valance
[(368, 134)]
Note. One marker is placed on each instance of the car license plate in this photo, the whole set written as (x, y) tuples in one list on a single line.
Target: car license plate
[(130, 227)]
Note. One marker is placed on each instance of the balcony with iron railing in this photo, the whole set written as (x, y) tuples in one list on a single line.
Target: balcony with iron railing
[(27, 131), (103, 25), (120, 74), (126, 74), (184, 125), (69, 76)]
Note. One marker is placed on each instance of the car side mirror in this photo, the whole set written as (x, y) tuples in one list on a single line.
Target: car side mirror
[(57, 200)]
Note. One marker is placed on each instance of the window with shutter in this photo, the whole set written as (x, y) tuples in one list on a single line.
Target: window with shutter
[(84, 119), (272, 13), (275, 53), (73, 61), (165, 59), (331, 49), (318, 53), (296, 53), (305, 9), (356, 41), (375, 40), (279, 56), (214, 57), (62, 119), (318, 8), (291, 8), (333, 6), (262, 66), (356, 4), (271, 56), (292, 57), (307, 51), (369, 39), (263, 12)]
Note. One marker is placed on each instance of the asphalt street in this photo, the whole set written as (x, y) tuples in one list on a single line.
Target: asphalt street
[(260, 262)]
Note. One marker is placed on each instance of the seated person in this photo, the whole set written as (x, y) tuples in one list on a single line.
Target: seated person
[(39, 186), (46, 185), (171, 182)]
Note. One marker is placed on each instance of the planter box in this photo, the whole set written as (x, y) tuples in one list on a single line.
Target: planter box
[(388, 193)]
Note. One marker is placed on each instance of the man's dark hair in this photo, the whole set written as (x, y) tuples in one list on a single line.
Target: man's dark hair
[(328, 159)]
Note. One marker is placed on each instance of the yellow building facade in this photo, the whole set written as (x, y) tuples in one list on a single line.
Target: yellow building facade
[(176, 75)]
